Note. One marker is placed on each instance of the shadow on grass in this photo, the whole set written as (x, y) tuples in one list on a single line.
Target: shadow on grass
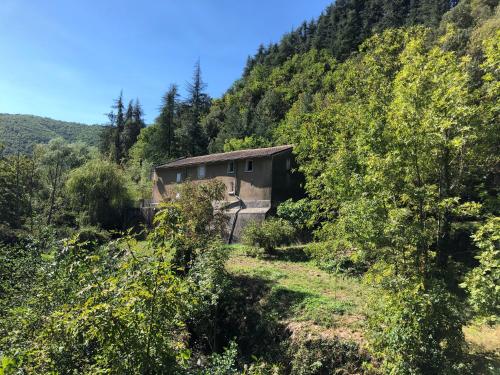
[(252, 315), (289, 254)]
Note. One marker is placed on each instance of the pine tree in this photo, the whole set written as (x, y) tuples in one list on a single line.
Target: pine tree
[(120, 126), (196, 105), (130, 111), (167, 120), (138, 114), (133, 125)]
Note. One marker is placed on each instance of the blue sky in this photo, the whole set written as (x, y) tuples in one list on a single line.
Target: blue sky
[(68, 59)]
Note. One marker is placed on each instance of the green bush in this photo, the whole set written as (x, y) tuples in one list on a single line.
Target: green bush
[(483, 282), (89, 236), (208, 284), (268, 234), (190, 224), (325, 356), (335, 256), (417, 329)]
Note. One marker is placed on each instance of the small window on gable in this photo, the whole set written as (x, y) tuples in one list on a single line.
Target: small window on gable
[(230, 167), (178, 177), (201, 171), (249, 166), (288, 164)]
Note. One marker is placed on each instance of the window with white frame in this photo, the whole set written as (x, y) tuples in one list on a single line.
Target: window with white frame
[(178, 178), (230, 167), (201, 171), (249, 166)]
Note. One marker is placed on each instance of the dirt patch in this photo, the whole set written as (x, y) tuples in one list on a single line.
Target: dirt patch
[(484, 338), (312, 330)]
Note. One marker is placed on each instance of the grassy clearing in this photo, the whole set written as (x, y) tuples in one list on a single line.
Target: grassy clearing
[(302, 296)]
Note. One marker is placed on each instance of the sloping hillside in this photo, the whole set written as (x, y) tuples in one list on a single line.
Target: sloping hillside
[(19, 133)]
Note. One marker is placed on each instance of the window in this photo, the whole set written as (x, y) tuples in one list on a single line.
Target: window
[(249, 166), (230, 167), (288, 164), (178, 177), (231, 188), (201, 171)]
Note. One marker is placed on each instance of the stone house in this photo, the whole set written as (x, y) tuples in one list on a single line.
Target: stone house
[(256, 181)]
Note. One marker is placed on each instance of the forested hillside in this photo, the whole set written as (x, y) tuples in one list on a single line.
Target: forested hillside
[(274, 78), (20, 133)]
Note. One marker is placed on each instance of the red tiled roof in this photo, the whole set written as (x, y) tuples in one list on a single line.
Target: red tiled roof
[(223, 156)]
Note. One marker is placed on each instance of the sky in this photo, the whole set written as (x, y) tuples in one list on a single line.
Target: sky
[(69, 59)]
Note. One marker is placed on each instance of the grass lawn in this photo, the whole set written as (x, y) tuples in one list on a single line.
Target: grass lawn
[(302, 296)]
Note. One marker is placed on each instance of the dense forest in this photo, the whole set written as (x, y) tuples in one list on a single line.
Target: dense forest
[(20, 133), (393, 111)]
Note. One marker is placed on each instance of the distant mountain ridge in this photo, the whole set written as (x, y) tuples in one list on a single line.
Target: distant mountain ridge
[(20, 133)]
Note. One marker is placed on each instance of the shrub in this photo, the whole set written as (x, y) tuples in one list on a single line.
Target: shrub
[(483, 282), (268, 234), (208, 283), (222, 364), (335, 256), (325, 356), (89, 236), (417, 329), (190, 224)]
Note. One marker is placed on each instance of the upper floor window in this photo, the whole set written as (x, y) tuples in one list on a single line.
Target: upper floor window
[(201, 171), (230, 167), (178, 178), (249, 166)]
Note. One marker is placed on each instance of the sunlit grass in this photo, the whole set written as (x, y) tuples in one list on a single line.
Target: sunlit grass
[(301, 292)]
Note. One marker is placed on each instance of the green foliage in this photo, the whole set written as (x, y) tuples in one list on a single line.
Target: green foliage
[(190, 223), (298, 213), (483, 282), (54, 161), (119, 307), (100, 191), (17, 185), (336, 256), (290, 72), (249, 113), (180, 129), (235, 144), (325, 356), (20, 133), (416, 329), (399, 146), (122, 130), (90, 237), (209, 284), (268, 234), (149, 146), (123, 314), (223, 364)]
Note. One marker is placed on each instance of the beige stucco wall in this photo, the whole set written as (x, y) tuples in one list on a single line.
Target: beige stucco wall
[(249, 186)]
